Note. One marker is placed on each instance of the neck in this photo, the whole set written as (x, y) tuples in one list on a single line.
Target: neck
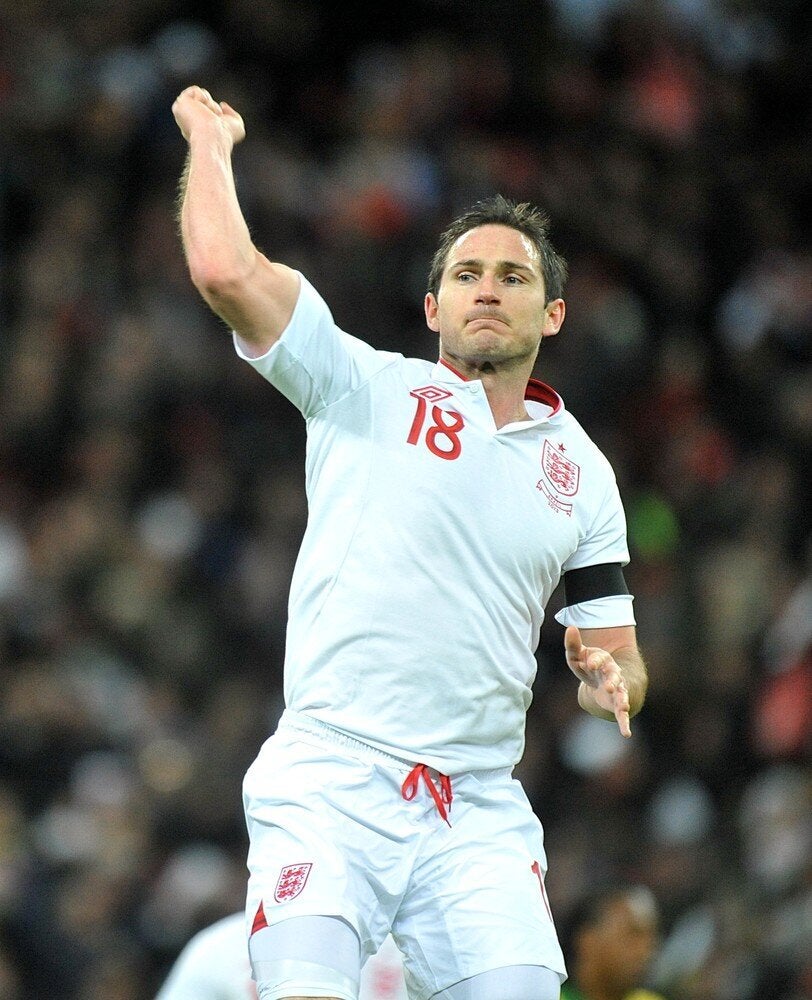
[(504, 386), (507, 408)]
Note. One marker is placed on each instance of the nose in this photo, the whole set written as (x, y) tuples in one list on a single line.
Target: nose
[(487, 290)]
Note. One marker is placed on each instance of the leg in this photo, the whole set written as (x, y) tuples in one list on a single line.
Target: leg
[(476, 902), (306, 957), (308, 901), (307, 803), (517, 982)]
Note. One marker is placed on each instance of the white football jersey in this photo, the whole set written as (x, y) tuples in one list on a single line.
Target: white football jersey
[(434, 541)]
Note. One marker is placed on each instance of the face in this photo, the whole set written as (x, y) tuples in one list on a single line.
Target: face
[(626, 938), (490, 308)]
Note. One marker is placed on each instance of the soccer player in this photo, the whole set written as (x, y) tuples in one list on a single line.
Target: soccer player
[(446, 500), (612, 937)]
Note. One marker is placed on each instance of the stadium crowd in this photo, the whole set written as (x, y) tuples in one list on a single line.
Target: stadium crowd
[(151, 486)]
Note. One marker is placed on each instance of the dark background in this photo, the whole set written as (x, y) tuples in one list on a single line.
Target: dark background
[(151, 486)]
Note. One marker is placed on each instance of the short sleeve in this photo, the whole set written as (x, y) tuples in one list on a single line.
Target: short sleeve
[(605, 542), (314, 363), (603, 612)]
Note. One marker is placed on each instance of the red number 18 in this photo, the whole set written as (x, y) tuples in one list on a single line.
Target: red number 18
[(438, 429)]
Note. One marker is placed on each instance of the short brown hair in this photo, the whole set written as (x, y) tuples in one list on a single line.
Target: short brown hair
[(500, 211)]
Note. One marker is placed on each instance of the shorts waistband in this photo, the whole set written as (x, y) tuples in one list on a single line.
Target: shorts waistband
[(298, 722)]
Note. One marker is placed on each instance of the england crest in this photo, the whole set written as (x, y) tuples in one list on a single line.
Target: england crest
[(562, 473), (292, 879)]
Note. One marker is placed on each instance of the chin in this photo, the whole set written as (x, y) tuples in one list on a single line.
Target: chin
[(491, 348)]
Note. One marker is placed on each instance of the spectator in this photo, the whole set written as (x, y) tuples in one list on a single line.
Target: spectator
[(612, 937)]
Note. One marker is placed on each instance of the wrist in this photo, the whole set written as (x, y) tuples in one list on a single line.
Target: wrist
[(211, 133)]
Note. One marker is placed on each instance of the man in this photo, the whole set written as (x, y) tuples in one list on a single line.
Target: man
[(445, 502), (612, 937)]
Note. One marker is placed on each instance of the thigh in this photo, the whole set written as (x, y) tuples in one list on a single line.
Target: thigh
[(477, 900), (517, 982), (313, 819), (310, 956)]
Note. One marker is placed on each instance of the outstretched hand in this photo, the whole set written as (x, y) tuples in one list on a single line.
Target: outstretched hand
[(599, 671), (195, 106)]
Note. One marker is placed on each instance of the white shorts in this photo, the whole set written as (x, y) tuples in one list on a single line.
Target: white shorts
[(331, 834)]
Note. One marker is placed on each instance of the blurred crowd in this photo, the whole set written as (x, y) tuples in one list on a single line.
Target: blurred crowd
[(151, 485)]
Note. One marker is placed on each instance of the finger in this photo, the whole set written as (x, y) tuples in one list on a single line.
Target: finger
[(572, 642), (623, 723), (599, 660), (202, 96), (574, 653), (231, 115), (602, 671), (194, 93), (622, 710), (205, 97)]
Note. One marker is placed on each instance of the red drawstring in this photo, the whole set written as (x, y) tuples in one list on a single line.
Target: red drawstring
[(441, 799)]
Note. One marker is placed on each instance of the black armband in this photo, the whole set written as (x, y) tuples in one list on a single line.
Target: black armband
[(593, 582)]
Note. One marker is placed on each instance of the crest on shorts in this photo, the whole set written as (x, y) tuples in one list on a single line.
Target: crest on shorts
[(562, 473), (292, 879)]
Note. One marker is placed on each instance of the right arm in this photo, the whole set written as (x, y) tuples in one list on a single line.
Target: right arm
[(254, 296)]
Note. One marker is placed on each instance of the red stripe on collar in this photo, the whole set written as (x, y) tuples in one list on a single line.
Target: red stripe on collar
[(451, 368), (536, 391), (540, 392)]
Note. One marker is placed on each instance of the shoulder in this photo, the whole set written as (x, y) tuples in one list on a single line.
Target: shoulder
[(592, 465), (572, 426)]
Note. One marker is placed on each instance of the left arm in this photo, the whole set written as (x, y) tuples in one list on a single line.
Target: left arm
[(611, 671)]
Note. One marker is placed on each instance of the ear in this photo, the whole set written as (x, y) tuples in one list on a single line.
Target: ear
[(553, 317), (431, 308)]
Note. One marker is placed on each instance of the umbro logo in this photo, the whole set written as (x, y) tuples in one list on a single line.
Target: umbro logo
[(431, 393)]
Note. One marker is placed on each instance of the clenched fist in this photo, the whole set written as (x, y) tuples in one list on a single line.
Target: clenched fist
[(196, 108)]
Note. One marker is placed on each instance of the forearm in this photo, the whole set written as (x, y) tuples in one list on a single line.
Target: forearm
[(635, 677), (218, 246)]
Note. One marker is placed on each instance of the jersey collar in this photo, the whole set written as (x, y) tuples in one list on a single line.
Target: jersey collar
[(548, 402)]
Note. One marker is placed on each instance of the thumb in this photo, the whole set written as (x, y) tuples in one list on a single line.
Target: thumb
[(572, 641)]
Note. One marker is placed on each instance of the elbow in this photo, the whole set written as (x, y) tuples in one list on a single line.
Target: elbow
[(215, 283)]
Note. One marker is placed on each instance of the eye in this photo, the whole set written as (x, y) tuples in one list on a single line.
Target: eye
[(465, 277), (513, 279)]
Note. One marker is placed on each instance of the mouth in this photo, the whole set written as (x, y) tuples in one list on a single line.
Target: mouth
[(486, 318)]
